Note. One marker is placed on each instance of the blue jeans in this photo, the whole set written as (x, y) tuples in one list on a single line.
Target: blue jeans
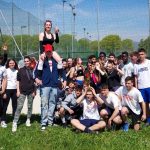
[(48, 103)]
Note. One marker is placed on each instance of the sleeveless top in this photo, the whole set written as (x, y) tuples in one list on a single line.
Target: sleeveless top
[(47, 40)]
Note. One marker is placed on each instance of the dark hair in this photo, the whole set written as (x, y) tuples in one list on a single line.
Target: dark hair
[(141, 50), (78, 88), (129, 79), (111, 62), (27, 57), (112, 54), (103, 53), (46, 22), (125, 53), (134, 54), (104, 86), (7, 64)]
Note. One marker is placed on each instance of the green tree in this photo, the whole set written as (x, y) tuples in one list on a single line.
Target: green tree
[(83, 44), (127, 45), (94, 45), (111, 43)]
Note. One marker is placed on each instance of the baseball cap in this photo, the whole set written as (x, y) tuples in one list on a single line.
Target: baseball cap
[(48, 48)]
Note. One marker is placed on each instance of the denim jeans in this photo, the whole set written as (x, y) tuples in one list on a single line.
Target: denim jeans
[(48, 104), (20, 103)]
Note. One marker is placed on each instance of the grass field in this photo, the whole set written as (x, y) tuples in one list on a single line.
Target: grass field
[(58, 138)]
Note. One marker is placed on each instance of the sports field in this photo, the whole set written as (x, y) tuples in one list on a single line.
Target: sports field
[(27, 138)]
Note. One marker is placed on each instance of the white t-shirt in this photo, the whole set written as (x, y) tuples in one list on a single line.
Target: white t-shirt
[(128, 70), (112, 100), (90, 110), (142, 71), (2, 74), (130, 98), (11, 78)]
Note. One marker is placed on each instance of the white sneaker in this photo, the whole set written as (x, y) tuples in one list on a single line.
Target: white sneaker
[(43, 128), (3, 124), (14, 127), (28, 124)]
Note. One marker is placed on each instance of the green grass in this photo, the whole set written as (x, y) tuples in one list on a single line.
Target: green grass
[(27, 138)]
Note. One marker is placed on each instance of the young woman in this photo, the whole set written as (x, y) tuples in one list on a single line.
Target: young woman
[(77, 72), (11, 89), (48, 38)]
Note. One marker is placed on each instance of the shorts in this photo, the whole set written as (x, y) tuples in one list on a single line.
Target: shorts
[(79, 82), (136, 119), (89, 122), (109, 110), (145, 94)]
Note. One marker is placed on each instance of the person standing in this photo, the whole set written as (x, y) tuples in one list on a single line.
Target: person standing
[(142, 79), (25, 88), (48, 81), (11, 89)]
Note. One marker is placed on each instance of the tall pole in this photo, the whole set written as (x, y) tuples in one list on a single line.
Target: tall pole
[(149, 25), (12, 9), (63, 16), (21, 37), (98, 27), (12, 17), (28, 43), (84, 29), (73, 26), (39, 21)]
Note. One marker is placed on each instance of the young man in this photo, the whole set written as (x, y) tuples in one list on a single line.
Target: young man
[(132, 104), (25, 88), (90, 120), (142, 79), (69, 105), (48, 81), (126, 67), (114, 75), (111, 110)]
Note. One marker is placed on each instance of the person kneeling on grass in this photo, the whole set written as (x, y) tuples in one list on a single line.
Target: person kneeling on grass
[(69, 106), (90, 120), (111, 108), (132, 101)]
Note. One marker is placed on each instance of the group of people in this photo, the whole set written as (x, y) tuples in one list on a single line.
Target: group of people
[(105, 93)]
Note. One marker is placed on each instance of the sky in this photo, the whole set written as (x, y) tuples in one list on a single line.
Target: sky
[(126, 18)]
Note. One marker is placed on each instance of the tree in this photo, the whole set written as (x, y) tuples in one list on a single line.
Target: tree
[(65, 42), (94, 45), (83, 44), (127, 45), (111, 43)]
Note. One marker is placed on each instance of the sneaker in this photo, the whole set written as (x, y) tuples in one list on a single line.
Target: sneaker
[(14, 127), (28, 124), (43, 128), (125, 127), (50, 124), (3, 124)]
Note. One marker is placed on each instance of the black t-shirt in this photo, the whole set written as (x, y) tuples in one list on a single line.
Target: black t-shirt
[(113, 80)]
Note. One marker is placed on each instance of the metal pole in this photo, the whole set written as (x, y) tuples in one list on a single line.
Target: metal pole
[(28, 33), (13, 25), (73, 26), (84, 37), (63, 16), (149, 25), (39, 20), (21, 38), (98, 27), (74, 15)]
